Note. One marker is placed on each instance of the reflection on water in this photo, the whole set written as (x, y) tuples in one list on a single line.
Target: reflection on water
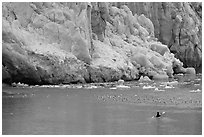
[(81, 111)]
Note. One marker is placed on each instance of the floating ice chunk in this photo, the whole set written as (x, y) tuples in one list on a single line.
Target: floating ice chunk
[(91, 87), (144, 79), (194, 91), (57, 86), (113, 88), (45, 86), (19, 84), (77, 86), (186, 83), (63, 86), (196, 84), (156, 89), (122, 86), (148, 87), (172, 83), (198, 79), (121, 81), (168, 87), (94, 86)]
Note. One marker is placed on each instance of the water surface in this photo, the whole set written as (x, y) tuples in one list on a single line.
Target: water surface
[(104, 110)]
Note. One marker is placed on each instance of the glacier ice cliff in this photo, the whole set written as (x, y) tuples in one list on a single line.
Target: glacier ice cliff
[(67, 42)]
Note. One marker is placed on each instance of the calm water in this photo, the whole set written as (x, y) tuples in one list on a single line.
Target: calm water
[(97, 111)]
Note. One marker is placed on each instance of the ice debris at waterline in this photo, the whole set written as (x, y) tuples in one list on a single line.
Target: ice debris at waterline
[(120, 85), (172, 83), (91, 87), (194, 91), (157, 89), (19, 84), (121, 81), (144, 79), (168, 87), (148, 87)]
